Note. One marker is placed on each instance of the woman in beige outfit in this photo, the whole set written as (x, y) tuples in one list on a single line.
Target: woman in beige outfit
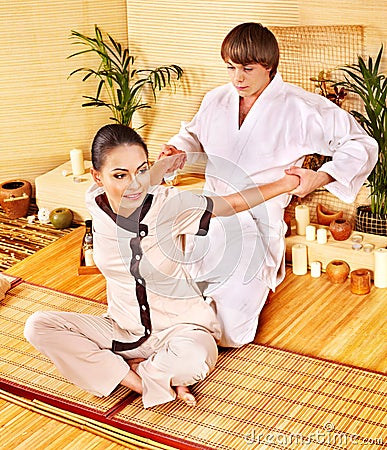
[(159, 335)]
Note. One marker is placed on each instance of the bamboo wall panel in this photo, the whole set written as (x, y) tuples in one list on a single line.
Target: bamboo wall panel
[(41, 118), (370, 13), (190, 34)]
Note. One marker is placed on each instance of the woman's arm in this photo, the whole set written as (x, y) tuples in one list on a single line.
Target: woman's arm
[(240, 201)]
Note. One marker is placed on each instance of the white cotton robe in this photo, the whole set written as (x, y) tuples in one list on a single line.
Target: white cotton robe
[(284, 124)]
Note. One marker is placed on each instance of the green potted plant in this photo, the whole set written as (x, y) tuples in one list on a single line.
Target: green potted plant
[(364, 79), (120, 84)]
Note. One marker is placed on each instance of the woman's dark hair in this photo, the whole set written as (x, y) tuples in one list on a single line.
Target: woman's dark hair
[(110, 136), (251, 43)]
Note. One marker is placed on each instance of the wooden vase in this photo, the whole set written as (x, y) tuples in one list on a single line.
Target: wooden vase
[(288, 221), (361, 281), (337, 271), (15, 197)]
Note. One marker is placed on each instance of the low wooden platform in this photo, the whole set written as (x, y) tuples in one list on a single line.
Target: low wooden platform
[(325, 253)]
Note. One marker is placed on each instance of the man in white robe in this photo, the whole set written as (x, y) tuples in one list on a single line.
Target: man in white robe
[(251, 130)]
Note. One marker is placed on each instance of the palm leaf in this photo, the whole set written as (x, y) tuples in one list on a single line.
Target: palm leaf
[(364, 79), (120, 85)]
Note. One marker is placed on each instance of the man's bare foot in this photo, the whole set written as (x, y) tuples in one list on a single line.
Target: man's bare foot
[(184, 394)]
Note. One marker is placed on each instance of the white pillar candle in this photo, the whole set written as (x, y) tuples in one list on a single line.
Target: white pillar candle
[(302, 218), (310, 233), (380, 272), (315, 269), (322, 236), (89, 259), (77, 165), (299, 259)]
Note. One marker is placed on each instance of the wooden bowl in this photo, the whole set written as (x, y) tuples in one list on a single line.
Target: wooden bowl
[(325, 217)]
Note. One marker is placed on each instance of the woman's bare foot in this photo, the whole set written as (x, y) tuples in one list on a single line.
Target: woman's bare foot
[(133, 363), (132, 381), (184, 394)]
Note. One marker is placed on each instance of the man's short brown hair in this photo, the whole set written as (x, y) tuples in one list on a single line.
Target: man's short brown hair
[(251, 43)]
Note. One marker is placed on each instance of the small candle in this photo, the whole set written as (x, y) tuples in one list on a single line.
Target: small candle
[(368, 248), (89, 259), (310, 233), (77, 165), (302, 219), (299, 259), (356, 238), (315, 269), (380, 273), (360, 281), (322, 236)]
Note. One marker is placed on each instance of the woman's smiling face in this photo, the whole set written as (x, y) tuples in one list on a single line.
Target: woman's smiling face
[(125, 178)]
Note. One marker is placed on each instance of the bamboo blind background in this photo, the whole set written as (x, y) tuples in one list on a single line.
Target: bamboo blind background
[(190, 34), (41, 118)]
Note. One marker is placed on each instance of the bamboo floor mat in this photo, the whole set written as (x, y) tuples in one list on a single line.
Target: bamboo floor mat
[(20, 239), (257, 397)]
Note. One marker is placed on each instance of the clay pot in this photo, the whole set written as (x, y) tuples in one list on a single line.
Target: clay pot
[(337, 271), (340, 229), (15, 197), (325, 217)]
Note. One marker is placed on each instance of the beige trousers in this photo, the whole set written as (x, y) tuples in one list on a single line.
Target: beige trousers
[(80, 345)]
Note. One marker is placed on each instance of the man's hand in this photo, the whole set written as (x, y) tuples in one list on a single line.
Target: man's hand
[(170, 150), (309, 180)]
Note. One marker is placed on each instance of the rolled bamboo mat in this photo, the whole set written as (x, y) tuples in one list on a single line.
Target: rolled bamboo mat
[(257, 396), (64, 436), (24, 425)]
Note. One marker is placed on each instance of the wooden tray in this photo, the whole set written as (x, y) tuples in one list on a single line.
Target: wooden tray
[(86, 270)]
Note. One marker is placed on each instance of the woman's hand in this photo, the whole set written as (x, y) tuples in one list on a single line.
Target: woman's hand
[(164, 165), (171, 150), (309, 180), (290, 182)]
